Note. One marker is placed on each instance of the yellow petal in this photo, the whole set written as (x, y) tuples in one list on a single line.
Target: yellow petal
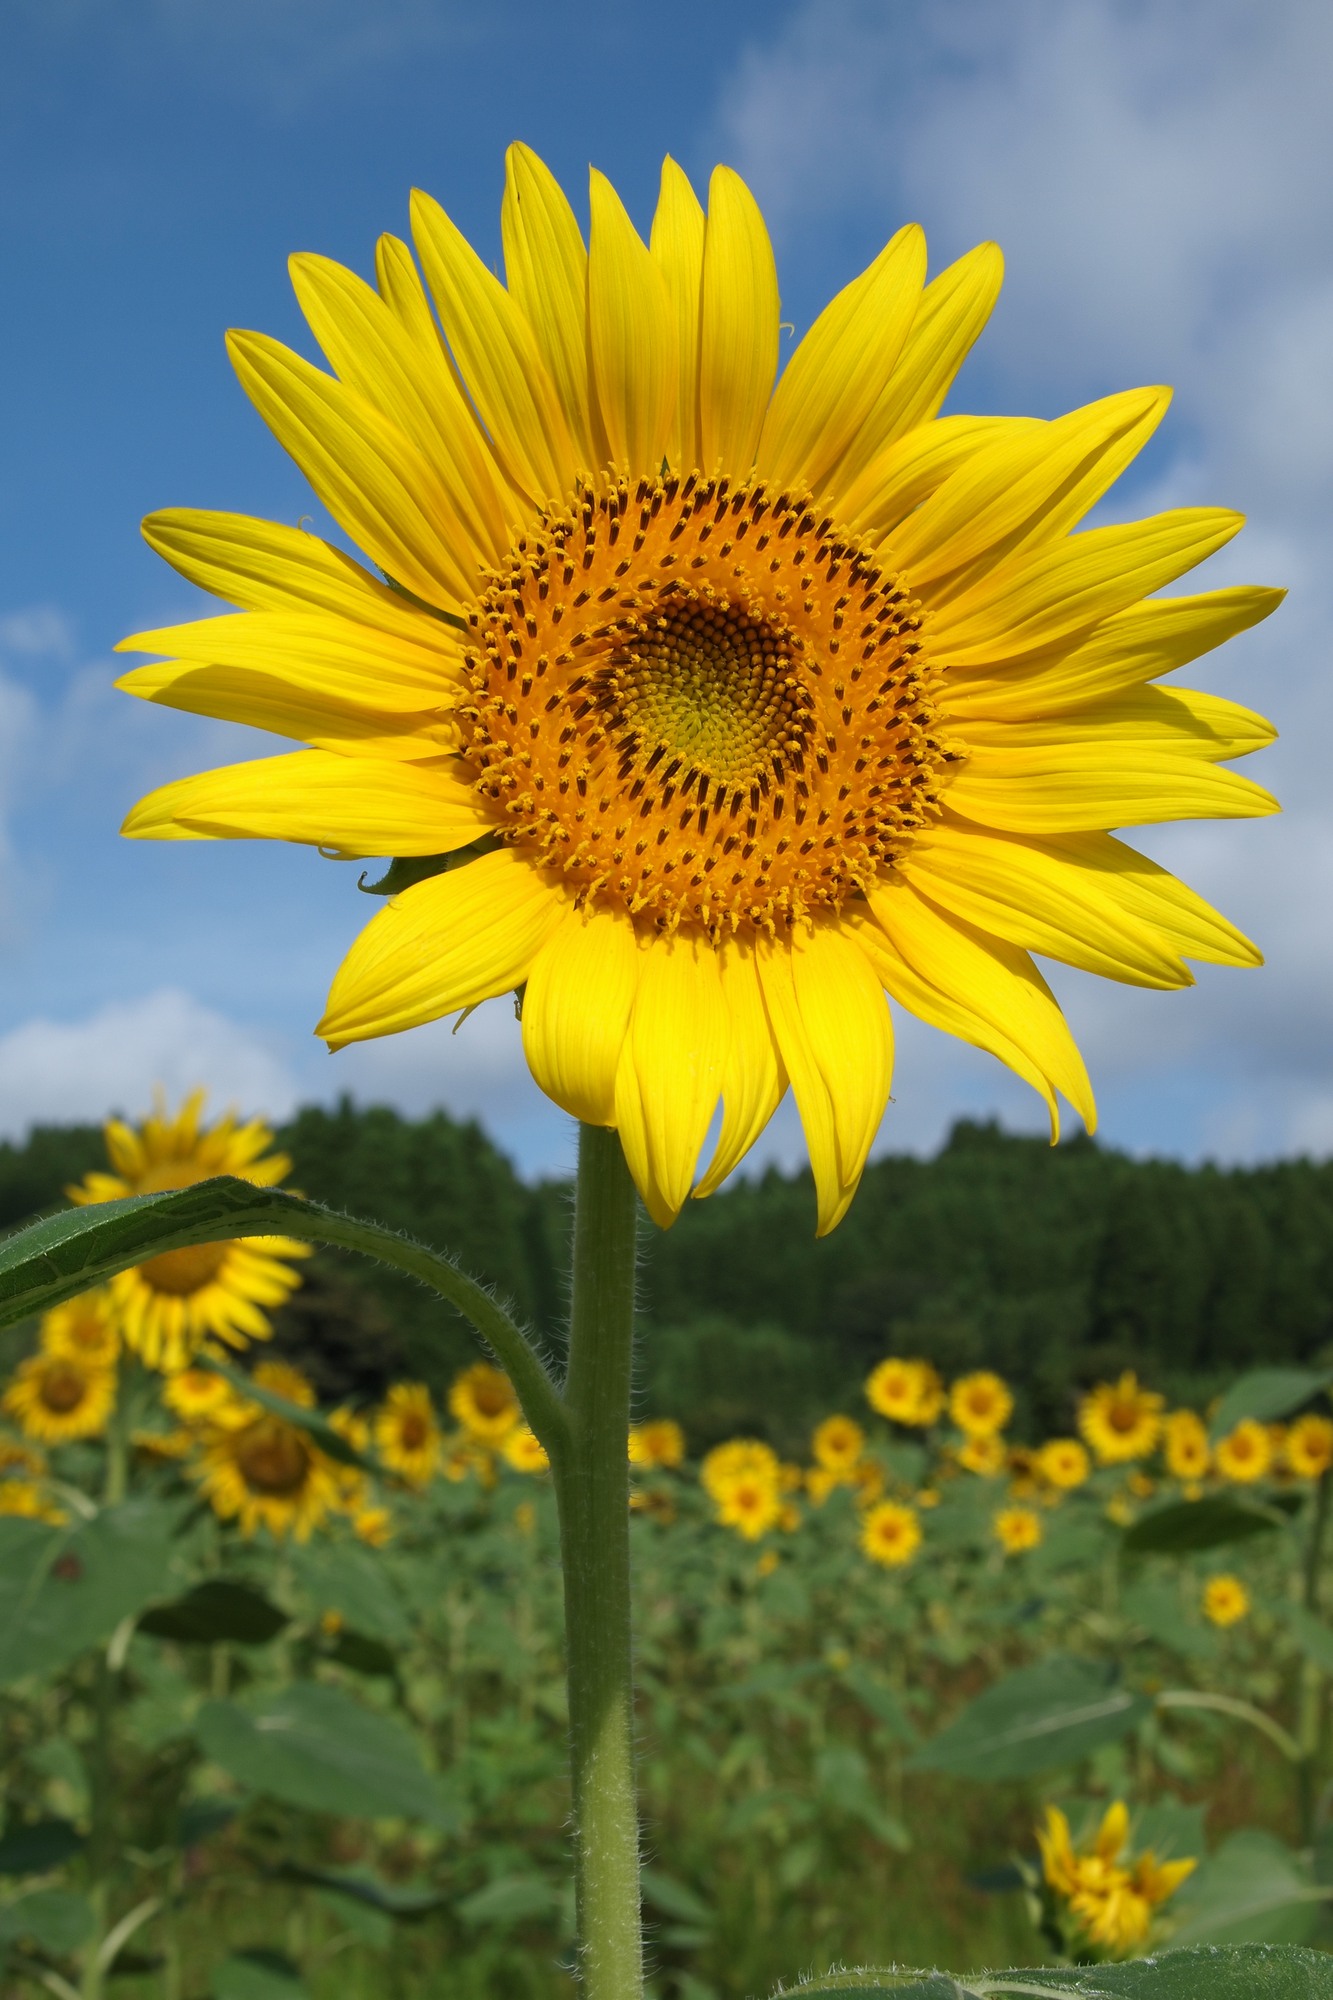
[(953, 310), (835, 377), (983, 990), (835, 1040), (1035, 896), (1151, 895), (1055, 591), (754, 1080), (312, 649), (632, 336), (677, 249), (1133, 646), (274, 702), (670, 1073), (368, 347), (264, 566), (576, 1009), (546, 269), (1085, 786), (376, 485), (497, 355), (911, 468), (353, 805), (1180, 721), (738, 351), (1024, 489), (442, 945)]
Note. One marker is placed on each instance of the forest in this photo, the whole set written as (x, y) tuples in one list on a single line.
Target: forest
[(1056, 1266)]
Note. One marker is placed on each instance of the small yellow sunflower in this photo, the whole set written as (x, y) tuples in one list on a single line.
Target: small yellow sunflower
[(1245, 1453), (25, 1499), (837, 1445), (890, 1533), (986, 1456), (750, 1503), (907, 1392), (170, 1306), (407, 1436), (1016, 1529), (1308, 1450), (57, 1398), (353, 1483), (1120, 1420), (659, 1443), (1062, 1463), (482, 1400), (1111, 1897), (280, 1378), (373, 1526), (267, 1473), (1185, 1446), (85, 1328), (523, 1451), (1225, 1600), (980, 1404), (740, 1457), (201, 1396), (743, 701)]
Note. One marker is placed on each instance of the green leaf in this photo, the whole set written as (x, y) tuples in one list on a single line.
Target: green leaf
[(513, 1899), (408, 869), (1252, 1889), (65, 1589), (361, 1655), (1266, 1394), (1188, 1527), (1314, 1638), (880, 1699), (256, 1975), (396, 1900), (53, 1919), (343, 1577), (1039, 1717), (313, 1746), (38, 1848), (1204, 1972), (215, 1611), (200, 1819), (672, 1898), (371, 1926), (1157, 1607)]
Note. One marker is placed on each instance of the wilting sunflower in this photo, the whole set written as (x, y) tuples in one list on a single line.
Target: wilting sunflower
[(84, 1327), (168, 1307), (268, 1473), (407, 1435), (1121, 1420), (890, 1534), (738, 702), (57, 1398)]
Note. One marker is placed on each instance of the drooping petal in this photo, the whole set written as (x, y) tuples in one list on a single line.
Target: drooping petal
[(671, 1067), (576, 1010), (677, 249), (1080, 787), (497, 355), (546, 269), (1132, 646), (738, 350), (442, 945), (632, 336), (315, 650), (352, 805), (754, 1080), (374, 482), (833, 380), (952, 312)]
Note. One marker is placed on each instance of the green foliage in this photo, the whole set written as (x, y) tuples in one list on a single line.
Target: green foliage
[(65, 1589), (1267, 1393), (1057, 1712), (1252, 1972), (1253, 1887), (1188, 1527)]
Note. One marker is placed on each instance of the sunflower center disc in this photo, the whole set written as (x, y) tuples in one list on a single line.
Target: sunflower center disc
[(184, 1272), (699, 701), (63, 1389), (273, 1458)]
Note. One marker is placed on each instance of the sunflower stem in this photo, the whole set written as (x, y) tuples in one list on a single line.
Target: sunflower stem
[(590, 1466)]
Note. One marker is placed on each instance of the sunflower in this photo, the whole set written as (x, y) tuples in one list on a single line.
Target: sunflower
[(740, 1458), (202, 1396), (720, 707), (890, 1534), (353, 1483), (986, 1456), (1016, 1529), (659, 1443), (1225, 1600), (84, 1327), (523, 1450), (373, 1526), (25, 1499), (907, 1392), (750, 1503), (1120, 1420), (168, 1307), (980, 1404), (1185, 1446), (1309, 1447), (268, 1473), (482, 1400), (1245, 1453), (837, 1445), (407, 1436), (1062, 1463), (56, 1398)]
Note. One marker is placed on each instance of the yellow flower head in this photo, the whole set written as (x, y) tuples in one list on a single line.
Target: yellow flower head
[(837, 1444), (907, 1392), (750, 1503), (1110, 1898), (890, 1533), (739, 1457), (268, 1473), (1062, 1463), (523, 1451), (1185, 1446), (986, 1456), (373, 1526), (482, 1400), (84, 1327), (1244, 1454), (1120, 1420), (281, 1379), (168, 1307), (659, 1443), (1308, 1447), (1016, 1529), (461, 1456), (25, 1498), (744, 700), (56, 1398), (407, 1436), (1225, 1600), (980, 1404), (201, 1396)]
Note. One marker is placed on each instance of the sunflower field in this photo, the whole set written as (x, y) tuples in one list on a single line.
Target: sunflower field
[(284, 1704)]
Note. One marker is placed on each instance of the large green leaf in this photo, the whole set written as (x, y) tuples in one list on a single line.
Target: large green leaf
[(348, 1579), (1203, 1972), (1266, 1394), (214, 1611), (65, 1589), (313, 1746), (38, 1847), (1054, 1713), (1312, 1635), (1252, 1889), (256, 1975), (1189, 1527)]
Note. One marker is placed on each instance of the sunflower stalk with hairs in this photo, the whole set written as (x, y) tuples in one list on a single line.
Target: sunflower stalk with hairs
[(708, 708)]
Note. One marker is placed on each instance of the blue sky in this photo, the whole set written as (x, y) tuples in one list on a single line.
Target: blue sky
[(1160, 179)]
